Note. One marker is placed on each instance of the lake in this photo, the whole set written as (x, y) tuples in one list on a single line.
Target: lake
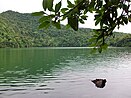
[(64, 73)]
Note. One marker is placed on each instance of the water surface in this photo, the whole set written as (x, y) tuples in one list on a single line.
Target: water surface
[(64, 73)]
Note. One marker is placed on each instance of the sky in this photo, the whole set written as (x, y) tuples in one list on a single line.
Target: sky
[(29, 6)]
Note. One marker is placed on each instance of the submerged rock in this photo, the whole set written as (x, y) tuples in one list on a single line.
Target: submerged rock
[(100, 83)]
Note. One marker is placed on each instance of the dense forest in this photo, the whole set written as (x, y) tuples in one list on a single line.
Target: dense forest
[(19, 30)]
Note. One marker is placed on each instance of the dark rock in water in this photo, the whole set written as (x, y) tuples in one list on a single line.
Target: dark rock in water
[(100, 83)]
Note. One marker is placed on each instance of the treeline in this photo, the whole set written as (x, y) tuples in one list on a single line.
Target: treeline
[(19, 30)]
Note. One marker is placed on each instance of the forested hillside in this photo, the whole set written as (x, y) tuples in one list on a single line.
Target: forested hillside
[(21, 30)]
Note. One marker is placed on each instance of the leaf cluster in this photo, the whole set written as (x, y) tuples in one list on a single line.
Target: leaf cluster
[(108, 14)]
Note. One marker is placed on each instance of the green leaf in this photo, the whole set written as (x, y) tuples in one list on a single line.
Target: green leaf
[(129, 18), (48, 4), (92, 45), (70, 5), (67, 26), (51, 16), (57, 7), (78, 1), (45, 24), (125, 20), (91, 5), (99, 37), (56, 24), (45, 4), (92, 39), (73, 22), (81, 21), (44, 18), (97, 20), (84, 17), (63, 10), (38, 13)]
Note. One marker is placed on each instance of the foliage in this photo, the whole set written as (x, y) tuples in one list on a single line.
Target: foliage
[(108, 14), (23, 32), (19, 30)]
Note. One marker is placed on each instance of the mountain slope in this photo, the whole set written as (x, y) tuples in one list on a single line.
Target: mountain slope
[(21, 30)]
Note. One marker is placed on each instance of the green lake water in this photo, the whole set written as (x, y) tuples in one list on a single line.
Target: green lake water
[(64, 73)]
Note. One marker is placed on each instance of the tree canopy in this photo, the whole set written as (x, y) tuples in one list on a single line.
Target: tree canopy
[(19, 30), (108, 14)]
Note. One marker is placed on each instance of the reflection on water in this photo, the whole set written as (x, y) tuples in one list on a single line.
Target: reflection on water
[(64, 73)]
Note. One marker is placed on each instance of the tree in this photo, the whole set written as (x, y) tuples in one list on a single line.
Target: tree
[(108, 14)]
